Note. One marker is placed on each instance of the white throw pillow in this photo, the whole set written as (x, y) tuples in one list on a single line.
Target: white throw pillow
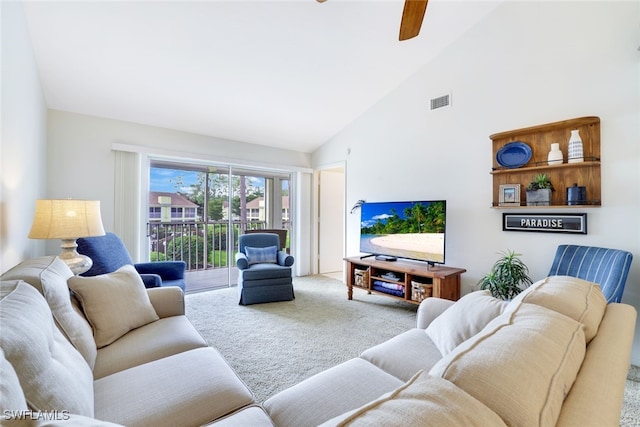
[(464, 319), (114, 303), (423, 401), (73, 324), (521, 365), (581, 300), (52, 373), (49, 276), (11, 395)]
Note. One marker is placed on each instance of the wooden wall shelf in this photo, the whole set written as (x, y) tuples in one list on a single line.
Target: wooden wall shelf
[(540, 138)]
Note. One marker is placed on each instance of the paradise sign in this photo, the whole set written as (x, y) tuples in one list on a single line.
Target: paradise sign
[(555, 223)]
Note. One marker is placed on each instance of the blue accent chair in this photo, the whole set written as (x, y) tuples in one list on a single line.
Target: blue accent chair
[(109, 253), (606, 267), (260, 282)]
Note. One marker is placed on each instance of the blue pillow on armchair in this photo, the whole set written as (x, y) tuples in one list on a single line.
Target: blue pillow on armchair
[(268, 254)]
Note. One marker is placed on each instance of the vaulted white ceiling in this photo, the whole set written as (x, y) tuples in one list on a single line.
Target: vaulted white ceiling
[(288, 74)]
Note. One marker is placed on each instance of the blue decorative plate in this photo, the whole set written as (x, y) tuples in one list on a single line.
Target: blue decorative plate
[(514, 154)]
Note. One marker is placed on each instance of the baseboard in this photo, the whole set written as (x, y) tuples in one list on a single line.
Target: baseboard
[(634, 373)]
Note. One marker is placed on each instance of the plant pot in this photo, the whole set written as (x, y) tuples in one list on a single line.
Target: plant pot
[(539, 197)]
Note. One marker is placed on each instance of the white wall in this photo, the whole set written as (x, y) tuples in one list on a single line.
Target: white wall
[(528, 63), (81, 160), (23, 146)]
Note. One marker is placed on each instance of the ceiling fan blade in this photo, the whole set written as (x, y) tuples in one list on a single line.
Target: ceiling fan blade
[(412, 16)]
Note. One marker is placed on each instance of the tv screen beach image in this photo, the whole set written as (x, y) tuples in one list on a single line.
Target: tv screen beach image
[(414, 230)]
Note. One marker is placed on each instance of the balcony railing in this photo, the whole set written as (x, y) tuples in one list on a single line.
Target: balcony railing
[(202, 245)]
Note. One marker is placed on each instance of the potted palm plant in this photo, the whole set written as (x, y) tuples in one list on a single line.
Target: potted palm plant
[(539, 191), (508, 277)]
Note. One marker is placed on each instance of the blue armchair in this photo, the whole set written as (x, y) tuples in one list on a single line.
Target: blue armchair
[(108, 254), (264, 271), (607, 267)]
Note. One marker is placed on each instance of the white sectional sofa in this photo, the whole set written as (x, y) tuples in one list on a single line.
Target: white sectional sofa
[(558, 354), (114, 352)]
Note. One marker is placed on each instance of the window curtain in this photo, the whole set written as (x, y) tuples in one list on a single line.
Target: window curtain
[(127, 200)]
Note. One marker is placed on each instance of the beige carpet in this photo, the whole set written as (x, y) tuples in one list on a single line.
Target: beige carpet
[(273, 346)]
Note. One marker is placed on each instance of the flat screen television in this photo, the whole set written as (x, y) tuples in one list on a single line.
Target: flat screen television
[(413, 230)]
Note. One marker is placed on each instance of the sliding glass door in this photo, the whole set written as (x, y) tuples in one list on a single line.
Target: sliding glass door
[(197, 211)]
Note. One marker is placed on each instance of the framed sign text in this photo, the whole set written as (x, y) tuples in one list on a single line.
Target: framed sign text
[(553, 223)]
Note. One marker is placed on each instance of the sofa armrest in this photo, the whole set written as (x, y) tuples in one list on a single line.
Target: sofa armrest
[(167, 270), (604, 371), (167, 301), (429, 309)]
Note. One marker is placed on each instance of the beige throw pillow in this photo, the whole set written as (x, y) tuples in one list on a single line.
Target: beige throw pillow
[(464, 319), (581, 300), (521, 365), (423, 401), (114, 303)]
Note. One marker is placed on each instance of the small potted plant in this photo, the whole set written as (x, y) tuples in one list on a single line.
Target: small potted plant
[(539, 191), (508, 277)]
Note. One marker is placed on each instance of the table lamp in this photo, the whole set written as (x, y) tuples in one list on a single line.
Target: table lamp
[(68, 219)]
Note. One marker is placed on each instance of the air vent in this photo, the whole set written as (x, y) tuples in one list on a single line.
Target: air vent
[(441, 102)]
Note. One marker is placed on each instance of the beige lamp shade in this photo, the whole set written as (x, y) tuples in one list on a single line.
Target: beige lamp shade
[(66, 219)]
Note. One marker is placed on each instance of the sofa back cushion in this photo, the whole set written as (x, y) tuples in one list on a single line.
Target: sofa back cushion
[(423, 401), (521, 365), (53, 375), (579, 299), (114, 303), (49, 276), (464, 319)]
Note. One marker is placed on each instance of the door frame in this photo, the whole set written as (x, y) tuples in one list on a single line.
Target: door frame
[(316, 230)]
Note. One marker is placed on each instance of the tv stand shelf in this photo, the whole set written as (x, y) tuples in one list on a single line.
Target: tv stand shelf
[(445, 281)]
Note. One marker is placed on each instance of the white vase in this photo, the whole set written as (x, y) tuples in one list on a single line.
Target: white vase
[(555, 156), (576, 153)]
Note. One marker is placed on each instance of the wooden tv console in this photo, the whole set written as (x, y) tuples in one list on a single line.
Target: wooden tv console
[(443, 282)]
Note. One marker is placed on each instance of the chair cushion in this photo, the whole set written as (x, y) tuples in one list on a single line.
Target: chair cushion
[(53, 374), (268, 254), (265, 271), (464, 319), (581, 300), (424, 401), (114, 303), (521, 365), (49, 276)]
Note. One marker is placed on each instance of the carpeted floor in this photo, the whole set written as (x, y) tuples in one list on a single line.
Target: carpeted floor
[(273, 346)]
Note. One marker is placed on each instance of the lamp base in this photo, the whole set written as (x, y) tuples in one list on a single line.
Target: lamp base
[(78, 263)]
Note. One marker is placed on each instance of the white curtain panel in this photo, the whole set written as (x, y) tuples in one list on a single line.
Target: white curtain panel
[(127, 200)]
